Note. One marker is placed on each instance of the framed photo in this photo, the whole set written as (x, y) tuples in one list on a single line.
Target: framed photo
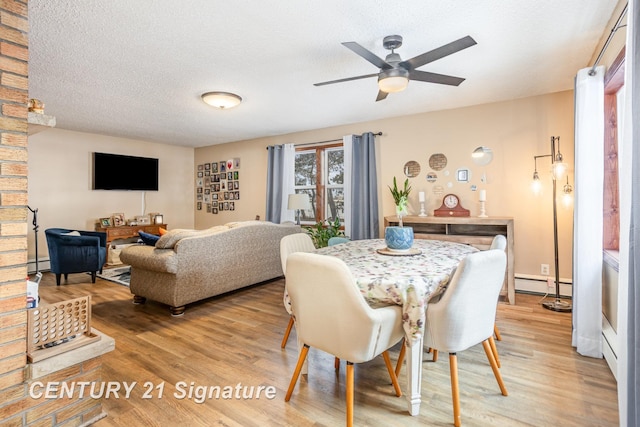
[(200, 167), (236, 175), (229, 176), (200, 174), (105, 222), (207, 172), (214, 196), (214, 167), (231, 195), (236, 162), (236, 185), (207, 166), (118, 219), (199, 190), (199, 197), (199, 182), (237, 195), (232, 206), (199, 206), (462, 175), (226, 206), (223, 167), (214, 211), (226, 195)]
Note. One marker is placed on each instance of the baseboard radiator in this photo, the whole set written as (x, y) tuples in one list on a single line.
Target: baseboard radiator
[(542, 285)]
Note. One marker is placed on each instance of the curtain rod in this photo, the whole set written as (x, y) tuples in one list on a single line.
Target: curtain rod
[(327, 141), (615, 28)]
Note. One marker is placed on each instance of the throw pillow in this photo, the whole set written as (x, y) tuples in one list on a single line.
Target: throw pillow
[(148, 239), (71, 233), (162, 231)]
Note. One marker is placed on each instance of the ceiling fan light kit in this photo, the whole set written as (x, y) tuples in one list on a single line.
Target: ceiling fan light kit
[(221, 100), (394, 73), (393, 80)]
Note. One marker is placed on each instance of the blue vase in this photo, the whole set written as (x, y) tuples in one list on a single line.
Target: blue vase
[(398, 238)]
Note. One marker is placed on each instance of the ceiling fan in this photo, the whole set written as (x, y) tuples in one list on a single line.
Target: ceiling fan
[(395, 73)]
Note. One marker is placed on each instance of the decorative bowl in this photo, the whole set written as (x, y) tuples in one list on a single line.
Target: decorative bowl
[(398, 238)]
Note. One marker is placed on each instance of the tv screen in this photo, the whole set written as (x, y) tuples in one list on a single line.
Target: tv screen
[(118, 172)]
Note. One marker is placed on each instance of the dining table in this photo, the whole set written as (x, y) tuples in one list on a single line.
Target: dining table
[(406, 278)]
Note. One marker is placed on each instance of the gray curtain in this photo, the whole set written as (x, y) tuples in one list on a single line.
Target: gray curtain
[(275, 176), (364, 188), (633, 332)]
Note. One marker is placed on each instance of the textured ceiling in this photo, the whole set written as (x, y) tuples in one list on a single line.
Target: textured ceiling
[(136, 69)]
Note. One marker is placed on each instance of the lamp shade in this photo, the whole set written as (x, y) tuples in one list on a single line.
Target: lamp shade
[(393, 80), (222, 100), (298, 201)]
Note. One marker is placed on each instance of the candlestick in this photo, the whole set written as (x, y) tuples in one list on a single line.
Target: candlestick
[(421, 196), (483, 195), (483, 214)]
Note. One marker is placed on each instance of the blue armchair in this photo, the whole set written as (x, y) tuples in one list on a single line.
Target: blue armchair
[(70, 253)]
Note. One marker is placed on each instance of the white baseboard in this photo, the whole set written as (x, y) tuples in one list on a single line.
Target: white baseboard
[(43, 265), (539, 285)]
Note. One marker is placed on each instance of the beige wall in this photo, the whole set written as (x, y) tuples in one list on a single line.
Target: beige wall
[(60, 183), (516, 131)]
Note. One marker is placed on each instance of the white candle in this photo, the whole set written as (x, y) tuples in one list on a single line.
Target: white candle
[(421, 196), (483, 195)]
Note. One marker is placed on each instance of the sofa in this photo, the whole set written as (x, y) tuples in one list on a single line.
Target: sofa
[(186, 266)]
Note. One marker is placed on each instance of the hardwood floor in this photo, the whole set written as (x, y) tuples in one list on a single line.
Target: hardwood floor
[(235, 339)]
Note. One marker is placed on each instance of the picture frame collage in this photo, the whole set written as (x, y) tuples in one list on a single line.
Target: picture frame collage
[(218, 186)]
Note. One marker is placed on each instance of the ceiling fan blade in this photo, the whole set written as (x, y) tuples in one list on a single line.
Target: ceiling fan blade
[(368, 55), (442, 79), (381, 95), (441, 52), (346, 80)]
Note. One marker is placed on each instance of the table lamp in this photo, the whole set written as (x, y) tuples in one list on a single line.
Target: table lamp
[(298, 201)]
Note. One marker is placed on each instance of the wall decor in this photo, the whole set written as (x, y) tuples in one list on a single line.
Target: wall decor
[(411, 169), (432, 177), (463, 175), (105, 222), (217, 181), (437, 161), (438, 189)]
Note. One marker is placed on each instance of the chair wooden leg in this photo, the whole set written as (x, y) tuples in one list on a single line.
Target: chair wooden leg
[(435, 355), (296, 372), (349, 394), (287, 332), (494, 366), (455, 391), (392, 374), (93, 277), (66, 277), (58, 279), (496, 332), (494, 350), (336, 363), (403, 350)]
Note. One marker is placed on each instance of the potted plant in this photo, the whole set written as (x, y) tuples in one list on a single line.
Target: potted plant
[(399, 238), (322, 231), (401, 198)]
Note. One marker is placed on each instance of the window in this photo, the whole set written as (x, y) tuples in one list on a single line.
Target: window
[(319, 172)]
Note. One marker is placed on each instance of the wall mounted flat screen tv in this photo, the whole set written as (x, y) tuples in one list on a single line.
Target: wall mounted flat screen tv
[(118, 172)]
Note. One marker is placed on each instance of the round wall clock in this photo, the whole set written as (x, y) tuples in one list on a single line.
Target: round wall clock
[(451, 207)]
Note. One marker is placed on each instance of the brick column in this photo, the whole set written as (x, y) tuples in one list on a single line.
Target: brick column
[(14, 56)]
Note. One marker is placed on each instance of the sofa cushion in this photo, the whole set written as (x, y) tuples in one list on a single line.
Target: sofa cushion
[(148, 239), (171, 237)]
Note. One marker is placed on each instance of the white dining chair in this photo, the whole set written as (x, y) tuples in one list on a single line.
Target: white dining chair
[(298, 242), (333, 316), (498, 242), (465, 314)]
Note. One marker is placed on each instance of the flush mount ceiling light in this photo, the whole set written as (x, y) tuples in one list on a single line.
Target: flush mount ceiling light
[(222, 100)]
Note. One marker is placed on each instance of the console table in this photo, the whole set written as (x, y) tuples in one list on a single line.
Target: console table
[(474, 231), (129, 231)]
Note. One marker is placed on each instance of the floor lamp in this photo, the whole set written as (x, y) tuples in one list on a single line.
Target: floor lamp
[(558, 168)]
